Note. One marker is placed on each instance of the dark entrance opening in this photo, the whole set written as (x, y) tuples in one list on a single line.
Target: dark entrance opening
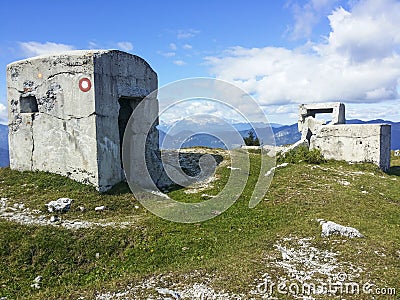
[(28, 104), (126, 107)]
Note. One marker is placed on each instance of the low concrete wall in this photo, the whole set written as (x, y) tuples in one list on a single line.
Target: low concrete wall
[(354, 143)]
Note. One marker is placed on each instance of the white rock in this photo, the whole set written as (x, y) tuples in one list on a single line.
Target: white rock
[(232, 168), (165, 291), (53, 219), (35, 285), (60, 205), (344, 182), (36, 282), (100, 208), (274, 168), (329, 228)]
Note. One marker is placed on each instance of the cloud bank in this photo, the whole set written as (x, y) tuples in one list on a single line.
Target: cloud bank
[(125, 46), (35, 48), (358, 62), (3, 114)]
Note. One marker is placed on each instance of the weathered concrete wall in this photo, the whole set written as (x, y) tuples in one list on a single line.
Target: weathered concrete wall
[(64, 112), (132, 80), (337, 110), (59, 135), (354, 143)]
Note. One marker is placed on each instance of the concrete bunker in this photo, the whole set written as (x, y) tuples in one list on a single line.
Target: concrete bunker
[(68, 113), (340, 141)]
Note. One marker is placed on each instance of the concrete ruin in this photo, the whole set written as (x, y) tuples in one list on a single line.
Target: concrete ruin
[(340, 141), (68, 113)]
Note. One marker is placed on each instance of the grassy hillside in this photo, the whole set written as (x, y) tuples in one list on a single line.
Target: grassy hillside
[(144, 257)]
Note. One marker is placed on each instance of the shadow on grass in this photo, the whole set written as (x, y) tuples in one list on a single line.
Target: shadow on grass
[(119, 189), (190, 164), (394, 171)]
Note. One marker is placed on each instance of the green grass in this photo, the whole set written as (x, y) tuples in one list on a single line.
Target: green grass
[(231, 246)]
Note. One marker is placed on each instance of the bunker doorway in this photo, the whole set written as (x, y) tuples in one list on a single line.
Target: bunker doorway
[(126, 107)]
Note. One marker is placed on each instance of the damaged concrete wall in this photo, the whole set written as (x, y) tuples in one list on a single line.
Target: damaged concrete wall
[(355, 143), (132, 80), (337, 110), (352, 143), (65, 112)]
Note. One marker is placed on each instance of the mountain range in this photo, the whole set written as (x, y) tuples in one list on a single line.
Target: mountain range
[(283, 134)]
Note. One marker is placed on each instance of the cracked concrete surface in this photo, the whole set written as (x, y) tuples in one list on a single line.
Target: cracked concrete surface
[(60, 125)]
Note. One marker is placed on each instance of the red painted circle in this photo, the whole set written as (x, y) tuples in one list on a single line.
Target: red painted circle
[(84, 84)]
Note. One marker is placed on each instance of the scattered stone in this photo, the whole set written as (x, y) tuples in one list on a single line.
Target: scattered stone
[(100, 208), (97, 255), (380, 253), (397, 152), (344, 182), (302, 263), (158, 193), (35, 217), (165, 291), (81, 208), (3, 202), (54, 219), (60, 205), (216, 212), (232, 168), (137, 207), (209, 196), (19, 205), (36, 282), (329, 228), (270, 171)]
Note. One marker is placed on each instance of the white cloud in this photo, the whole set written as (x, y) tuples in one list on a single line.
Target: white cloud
[(3, 114), (173, 46), (308, 15), (387, 110), (210, 111), (168, 54), (358, 62), (186, 34), (125, 46), (187, 47), (93, 45), (179, 62), (35, 48), (370, 31)]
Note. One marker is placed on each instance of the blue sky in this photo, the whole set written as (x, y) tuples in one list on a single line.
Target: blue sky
[(282, 52)]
